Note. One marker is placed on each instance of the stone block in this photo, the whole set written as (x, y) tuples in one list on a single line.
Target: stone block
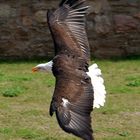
[(99, 6), (137, 15), (102, 24), (108, 52), (5, 10), (40, 16), (125, 23), (27, 21), (21, 34)]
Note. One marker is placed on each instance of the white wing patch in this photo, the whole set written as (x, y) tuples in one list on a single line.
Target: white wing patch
[(65, 102), (98, 85)]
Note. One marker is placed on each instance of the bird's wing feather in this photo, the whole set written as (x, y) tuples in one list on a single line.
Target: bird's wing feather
[(74, 116), (67, 23)]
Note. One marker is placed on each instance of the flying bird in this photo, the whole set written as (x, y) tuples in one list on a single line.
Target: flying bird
[(73, 96), (96, 79)]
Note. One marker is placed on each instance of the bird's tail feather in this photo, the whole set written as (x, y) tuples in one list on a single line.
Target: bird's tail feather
[(98, 86)]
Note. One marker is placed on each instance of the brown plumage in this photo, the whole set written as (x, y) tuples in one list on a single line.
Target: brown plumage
[(73, 95)]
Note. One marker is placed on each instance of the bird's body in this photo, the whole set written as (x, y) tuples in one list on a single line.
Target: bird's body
[(96, 80), (72, 101)]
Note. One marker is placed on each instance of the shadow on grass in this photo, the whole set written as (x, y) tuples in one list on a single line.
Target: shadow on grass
[(114, 59), (26, 60), (45, 59)]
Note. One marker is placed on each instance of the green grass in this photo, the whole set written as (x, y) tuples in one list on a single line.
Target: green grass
[(25, 98)]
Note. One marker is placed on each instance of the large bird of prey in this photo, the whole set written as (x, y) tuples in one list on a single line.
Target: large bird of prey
[(72, 101)]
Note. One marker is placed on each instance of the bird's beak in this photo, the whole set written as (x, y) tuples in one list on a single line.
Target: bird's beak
[(34, 69)]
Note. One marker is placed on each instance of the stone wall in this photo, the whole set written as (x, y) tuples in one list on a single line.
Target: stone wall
[(113, 28), (116, 27)]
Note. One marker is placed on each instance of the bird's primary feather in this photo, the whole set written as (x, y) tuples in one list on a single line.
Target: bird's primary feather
[(68, 23)]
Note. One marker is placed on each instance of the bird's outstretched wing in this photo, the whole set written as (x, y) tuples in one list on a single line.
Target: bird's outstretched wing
[(73, 103), (67, 25), (73, 95)]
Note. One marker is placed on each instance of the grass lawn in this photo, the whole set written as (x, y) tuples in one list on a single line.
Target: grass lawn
[(25, 98)]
